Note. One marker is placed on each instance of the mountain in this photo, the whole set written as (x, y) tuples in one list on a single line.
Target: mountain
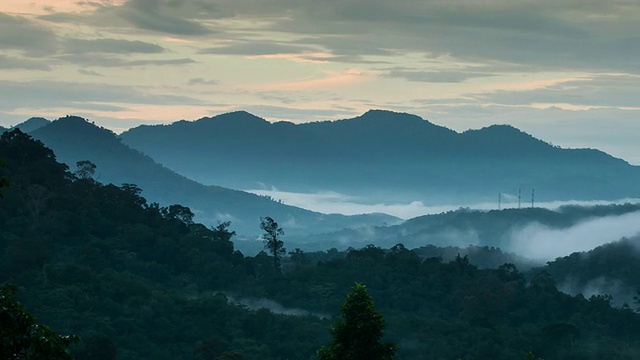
[(2, 129), (73, 139), (511, 230), (382, 155), (610, 269), (32, 124)]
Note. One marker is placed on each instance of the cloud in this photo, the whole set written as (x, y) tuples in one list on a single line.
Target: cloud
[(21, 34), (617, 90), (9, 62), (115, 61), (47, 94), (541, 242), (113, 46), (255, 48), (166, 16), (434, 76), (201, 81)]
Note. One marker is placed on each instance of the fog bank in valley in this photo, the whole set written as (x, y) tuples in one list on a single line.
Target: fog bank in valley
[(541, 242), (331, 202)]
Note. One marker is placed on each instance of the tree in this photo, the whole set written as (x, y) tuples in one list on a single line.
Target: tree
[(85, 169), (358, 334), (22, 338), (271, 238)]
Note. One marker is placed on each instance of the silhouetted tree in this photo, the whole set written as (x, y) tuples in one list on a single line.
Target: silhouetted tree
[(358, 335), (271, 238), (85, 169)]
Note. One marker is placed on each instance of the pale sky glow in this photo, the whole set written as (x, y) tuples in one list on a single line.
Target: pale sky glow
[(566, 71)]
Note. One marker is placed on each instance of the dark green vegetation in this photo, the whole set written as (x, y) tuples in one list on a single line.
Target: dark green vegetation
[(409, 158), (138, 280), (74, 139), (21, 337), (358, 333), (611, 269)]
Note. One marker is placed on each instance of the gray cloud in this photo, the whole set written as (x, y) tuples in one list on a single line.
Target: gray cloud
[(201, 81), (8, 62), (47, 94), (89, 72), (114, 46), (113, 61), (25, 35), (255, 48), (167, 16), (600, 90), (434, 76)]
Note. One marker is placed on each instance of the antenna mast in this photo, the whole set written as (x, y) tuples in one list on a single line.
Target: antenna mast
[(533, 195), (519, 197), (499, 201)]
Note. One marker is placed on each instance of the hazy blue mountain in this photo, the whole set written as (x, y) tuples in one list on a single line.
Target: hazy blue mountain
[(74, 139), (32, 124), (2, 129), (382, 155), (465, 227)]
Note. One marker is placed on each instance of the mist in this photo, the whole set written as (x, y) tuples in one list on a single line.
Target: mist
[(331, 202), (540, 242), (273, 306)]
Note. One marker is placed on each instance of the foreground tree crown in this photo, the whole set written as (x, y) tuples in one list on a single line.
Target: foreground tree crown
[(358, 334), (21, 337)]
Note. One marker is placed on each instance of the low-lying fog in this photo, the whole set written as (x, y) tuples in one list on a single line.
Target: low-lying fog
[(534, 241), (330, 202)]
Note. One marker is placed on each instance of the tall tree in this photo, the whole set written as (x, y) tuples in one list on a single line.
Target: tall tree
[(271, 238), (358, 334), (85, 169)]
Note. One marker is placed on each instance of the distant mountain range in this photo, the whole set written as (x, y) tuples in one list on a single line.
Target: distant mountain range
[(382, 155), (74, 139)]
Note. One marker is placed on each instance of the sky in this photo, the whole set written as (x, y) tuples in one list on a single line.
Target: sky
[(565, 71)]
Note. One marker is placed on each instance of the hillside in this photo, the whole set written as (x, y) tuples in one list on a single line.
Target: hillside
[(382, 156), (608, 269), (525, 232), (32, 124), (74, 139), (136, 280)]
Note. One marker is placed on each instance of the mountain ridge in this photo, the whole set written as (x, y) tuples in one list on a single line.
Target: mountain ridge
[(395, 155), (74, 139)]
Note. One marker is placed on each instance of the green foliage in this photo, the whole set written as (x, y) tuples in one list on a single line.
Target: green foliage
[(358, 335), (138, 281), (271, 238), (21, 337)]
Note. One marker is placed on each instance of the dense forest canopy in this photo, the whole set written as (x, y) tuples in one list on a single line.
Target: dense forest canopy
[(138, 280)]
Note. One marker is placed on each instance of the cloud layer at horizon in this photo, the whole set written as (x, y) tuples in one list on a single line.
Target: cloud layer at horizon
[(564, 71)]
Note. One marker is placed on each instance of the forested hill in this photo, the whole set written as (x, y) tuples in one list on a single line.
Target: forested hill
[(385, 154), (32, 124), (608, 269), (140, 281), (465, 227), (74, 139)]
